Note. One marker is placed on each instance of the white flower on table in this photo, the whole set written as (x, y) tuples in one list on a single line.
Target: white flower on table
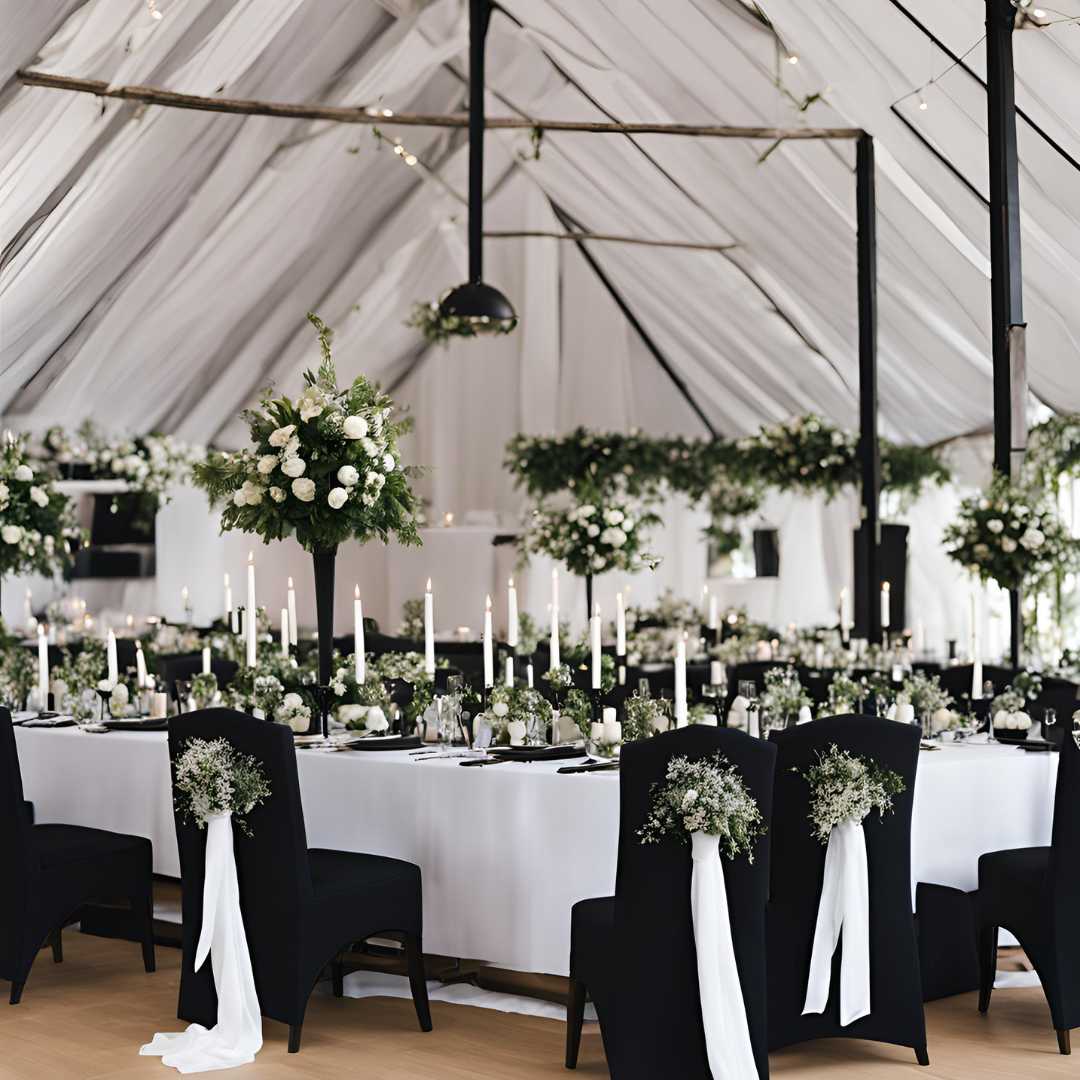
[(280, 436), (293, 466), (267, 464), (376, 719), (337, 497), (304, 489), (355, 427), (347, 475)]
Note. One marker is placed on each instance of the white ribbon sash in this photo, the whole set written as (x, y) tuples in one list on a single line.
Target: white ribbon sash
[(237, 1037), (727, 1036), (844, 906)]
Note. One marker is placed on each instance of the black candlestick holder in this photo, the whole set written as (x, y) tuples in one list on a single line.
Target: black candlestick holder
[(104, 695), (596, 697), (322, 694)]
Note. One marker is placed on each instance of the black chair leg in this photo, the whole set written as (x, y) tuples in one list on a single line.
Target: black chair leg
[(57, 942), (921, 1056), (575, 1017), (987, 965), (1064, 1044), (337, 975), (294, 1037), (142, 909), (414, 956), (16, 992)]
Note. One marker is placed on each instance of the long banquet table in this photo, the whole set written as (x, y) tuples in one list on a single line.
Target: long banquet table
[(506, 851)]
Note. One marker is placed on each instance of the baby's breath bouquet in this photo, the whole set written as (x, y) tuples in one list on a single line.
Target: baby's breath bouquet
[(784, 695), (706, 796), (213, 777), (925, 693), (847, 787), (642, 717), (844, 693), (326, 467), (37, 523), (204, 689)]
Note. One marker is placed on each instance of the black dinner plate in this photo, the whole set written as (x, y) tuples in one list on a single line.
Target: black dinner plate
[(394, 742), (537, 753), (145, 724)]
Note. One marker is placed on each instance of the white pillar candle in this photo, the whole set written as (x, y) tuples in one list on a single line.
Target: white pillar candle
[(291, 601), (594, 641), (359, 645), (43, 668), (511, 615), (510, 672), (159, 706), (529, 676), (489, 646), (885, 612), (680, 683), (714, 611), (284, 631), (205, 660), (429, 631), (114, 667), (251, 614), (716, 672), (555, 589), (845, 614), (140, 666), (611, 728), (228, 602), (554, 640), (620, 624)]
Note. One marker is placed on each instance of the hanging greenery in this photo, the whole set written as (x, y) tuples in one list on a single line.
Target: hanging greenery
[(438, 328)]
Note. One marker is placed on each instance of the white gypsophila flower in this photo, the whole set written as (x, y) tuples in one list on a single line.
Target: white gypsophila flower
[(304, 489), (337, 497), (347, 475), (281, 436), (388, 463), (24, 473), (293, 467), (267, 464), (277, 494), (11, 534)]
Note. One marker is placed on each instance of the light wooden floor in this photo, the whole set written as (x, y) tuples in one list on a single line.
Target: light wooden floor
[(86, 1018)]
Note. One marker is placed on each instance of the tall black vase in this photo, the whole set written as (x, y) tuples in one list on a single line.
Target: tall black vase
[(324, 610)]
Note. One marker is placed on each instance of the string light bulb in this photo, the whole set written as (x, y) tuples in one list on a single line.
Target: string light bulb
[(923, 104), (793, 58), (155, 12)]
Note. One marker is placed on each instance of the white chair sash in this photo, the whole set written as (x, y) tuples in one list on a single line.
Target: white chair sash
[(727, 1035), (844, 907), (237, 1036)]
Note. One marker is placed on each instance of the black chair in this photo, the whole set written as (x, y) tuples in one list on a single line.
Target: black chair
[(798, 870), (302, 907), (53, 871), (1035, 893), (633, 953)]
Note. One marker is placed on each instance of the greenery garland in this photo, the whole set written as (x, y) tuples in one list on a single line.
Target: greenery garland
[(438, 329)]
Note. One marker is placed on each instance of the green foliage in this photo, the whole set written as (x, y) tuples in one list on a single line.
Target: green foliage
[(438, 329)]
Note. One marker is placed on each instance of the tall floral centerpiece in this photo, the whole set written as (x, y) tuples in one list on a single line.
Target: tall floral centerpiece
[(37, 523), (325, 469)]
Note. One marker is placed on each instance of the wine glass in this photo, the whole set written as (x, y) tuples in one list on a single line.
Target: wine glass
[(1049, 720)]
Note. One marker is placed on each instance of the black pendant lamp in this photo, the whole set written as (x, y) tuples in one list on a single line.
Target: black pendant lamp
[(481, 305)]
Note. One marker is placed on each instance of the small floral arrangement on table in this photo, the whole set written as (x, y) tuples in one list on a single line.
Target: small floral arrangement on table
[(925, 693), (519, 705), (37, 524), (18, 670), (784, 695), (642, 717), (707, 796), (204, 689), (1029, 683), (653, 644), (326, 467), (293, 712), (847, 787), (438, 328), (1012, 534), (844, 693), (213, 777), (560, 679), (75, 679), (357, 703), (412, 619), (1008, 712), (592, 537)]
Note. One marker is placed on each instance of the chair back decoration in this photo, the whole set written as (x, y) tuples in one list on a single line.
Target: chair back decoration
[(841, 869), (15, 847), (702, 1012)]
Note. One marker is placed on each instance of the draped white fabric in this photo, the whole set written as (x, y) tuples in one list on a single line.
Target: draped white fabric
[(723, 1014), (237, 1036), (844, 908)]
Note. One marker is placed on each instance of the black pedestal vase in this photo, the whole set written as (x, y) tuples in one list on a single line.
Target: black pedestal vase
[(324, 611)]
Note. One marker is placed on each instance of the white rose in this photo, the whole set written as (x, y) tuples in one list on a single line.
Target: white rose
[(281, 436), (310, 406), (354, 427), (593, 530), (105, 686), (995, 525), (239, 497), (293, 466), (351, 714), (587, 511), (11, 534), (347, 475), (267, 464), (24, 472), (120, 695), (291, 701), (614, 536), (39, 496), (277, 494), (500, 708), (337, 497), (376, 719), (628, 523), (369, 447), (388, 462), (374, 479), (1008, 545), (613, 517), (304, 489), (1032, 539)]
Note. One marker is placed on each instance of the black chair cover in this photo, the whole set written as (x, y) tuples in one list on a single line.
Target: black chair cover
[(51, 871), (301, 907), (798, 869)]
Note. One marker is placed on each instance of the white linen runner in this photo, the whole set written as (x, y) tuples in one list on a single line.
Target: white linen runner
[(844, 907), (237, 1036), (727, 1035)]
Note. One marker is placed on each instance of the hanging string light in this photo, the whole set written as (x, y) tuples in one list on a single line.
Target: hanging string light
[(155, 12)]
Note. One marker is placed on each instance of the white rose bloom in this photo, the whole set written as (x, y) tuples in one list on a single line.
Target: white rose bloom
[(293, 466), (337, 497), (292, 701), (254, 495), (598, 563), (277, 494), (239, 497), (120, 696), (347, 475), (11, 534), (613, 517), (587, 511), (1033, 539), (1008, 545), (354, 427), (500, 708), (614, 536), (292, 447), (24, 472), (628, 523), (995, 525), (593, 530), (4, 492), (376, 719), (369, 447), (388, 462), (281, 436), (267, 464), (374, 480), (350, 714), (304, 489), (39, 496)]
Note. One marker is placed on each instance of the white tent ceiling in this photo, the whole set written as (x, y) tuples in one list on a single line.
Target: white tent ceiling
[(158, 263)]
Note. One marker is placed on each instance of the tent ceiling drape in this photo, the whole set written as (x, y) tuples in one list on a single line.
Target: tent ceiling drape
[(157, 264)]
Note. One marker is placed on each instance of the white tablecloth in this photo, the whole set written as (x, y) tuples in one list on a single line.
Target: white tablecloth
[(506, 850)]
